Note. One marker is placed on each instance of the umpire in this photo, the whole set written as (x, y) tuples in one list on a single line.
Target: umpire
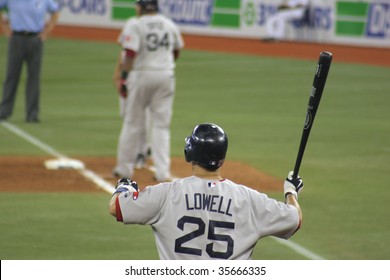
[(27, 28)]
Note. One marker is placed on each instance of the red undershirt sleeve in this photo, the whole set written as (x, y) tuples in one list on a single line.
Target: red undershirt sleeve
[(130, 53), (118, 215)]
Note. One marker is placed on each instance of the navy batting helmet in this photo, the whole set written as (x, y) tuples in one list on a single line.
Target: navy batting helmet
[(148, 5), (206, 146)]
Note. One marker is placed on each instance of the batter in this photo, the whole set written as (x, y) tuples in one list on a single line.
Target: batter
[(205, 216)]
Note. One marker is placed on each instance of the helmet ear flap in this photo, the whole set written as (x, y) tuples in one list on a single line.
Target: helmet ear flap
[(188, 151)]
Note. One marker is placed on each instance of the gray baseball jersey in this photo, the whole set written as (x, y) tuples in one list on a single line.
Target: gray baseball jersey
[(194, 218), (153, 38), (151, 84)]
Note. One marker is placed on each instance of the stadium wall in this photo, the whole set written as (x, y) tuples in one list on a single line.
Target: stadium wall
[(348, 22)]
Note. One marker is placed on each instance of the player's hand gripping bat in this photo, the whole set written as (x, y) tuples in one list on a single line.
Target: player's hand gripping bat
[(319, 81)]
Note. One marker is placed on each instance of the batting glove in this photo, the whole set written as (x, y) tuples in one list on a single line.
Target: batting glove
[(292, 185), (123, 88), (125, 185), (122, 84)]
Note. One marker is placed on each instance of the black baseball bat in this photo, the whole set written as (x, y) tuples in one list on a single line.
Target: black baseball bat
[(321, 73)]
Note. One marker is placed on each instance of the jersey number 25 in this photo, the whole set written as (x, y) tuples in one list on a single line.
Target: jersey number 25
[(179, 248)]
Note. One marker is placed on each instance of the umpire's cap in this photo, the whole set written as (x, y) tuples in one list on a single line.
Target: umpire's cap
[(206, 146)]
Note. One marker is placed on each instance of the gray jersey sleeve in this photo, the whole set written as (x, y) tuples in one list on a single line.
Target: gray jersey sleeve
[(146, 208), (274, 217)]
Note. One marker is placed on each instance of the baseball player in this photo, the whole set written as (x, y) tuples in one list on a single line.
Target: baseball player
[(144, 148), (205, 216), (287, 11), (150, 45)]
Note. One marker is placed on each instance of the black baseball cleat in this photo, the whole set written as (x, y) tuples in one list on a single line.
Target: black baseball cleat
[(116, 174), (140, 162)]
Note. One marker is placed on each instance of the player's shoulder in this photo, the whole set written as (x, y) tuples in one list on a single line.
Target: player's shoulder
[(167, 18), (132, 21), (131, 25), (241, 189), (182, 184)]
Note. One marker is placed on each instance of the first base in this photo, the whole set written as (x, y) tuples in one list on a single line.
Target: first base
[(64, 163)]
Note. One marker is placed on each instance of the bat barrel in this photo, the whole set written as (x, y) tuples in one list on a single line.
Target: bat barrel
[(319, 81)]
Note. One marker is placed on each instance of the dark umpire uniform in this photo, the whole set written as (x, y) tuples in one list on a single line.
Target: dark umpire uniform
[(27, 28)]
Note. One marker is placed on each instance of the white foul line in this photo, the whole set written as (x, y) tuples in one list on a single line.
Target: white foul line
[(106, 186), (298, 248), (88, 174), (32, 140)]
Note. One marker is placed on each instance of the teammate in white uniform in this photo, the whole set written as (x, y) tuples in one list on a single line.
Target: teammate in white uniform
[(205, 216), (289, 10), (151, 43), (144, 148)]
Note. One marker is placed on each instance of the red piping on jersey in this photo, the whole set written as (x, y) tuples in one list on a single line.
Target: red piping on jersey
[(299, 226), (118, 215), (130, 53)]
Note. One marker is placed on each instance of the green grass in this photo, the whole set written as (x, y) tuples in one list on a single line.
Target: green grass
[(68, 226), (261, 103)]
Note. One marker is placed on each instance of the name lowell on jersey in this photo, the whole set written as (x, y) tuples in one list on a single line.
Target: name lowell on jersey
[(208, 202)]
